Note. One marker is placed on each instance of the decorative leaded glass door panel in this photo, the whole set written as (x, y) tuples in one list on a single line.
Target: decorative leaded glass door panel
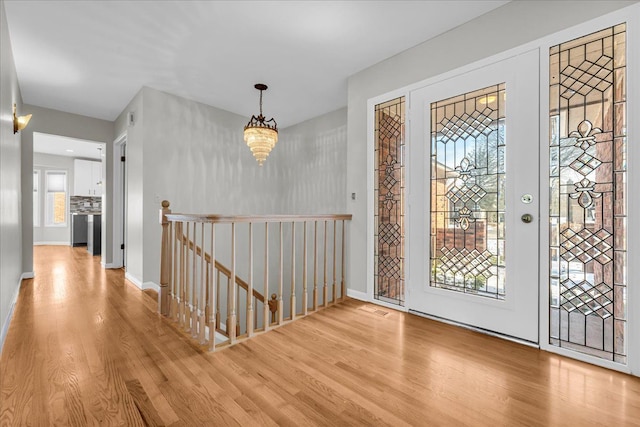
[(473, 246)]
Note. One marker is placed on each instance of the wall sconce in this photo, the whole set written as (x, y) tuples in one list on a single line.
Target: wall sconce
[(19, 122)]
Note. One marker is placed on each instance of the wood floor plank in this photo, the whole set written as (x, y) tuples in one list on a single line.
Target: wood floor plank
[(86, 347), (315, 383), (18, 382), (148, 412)]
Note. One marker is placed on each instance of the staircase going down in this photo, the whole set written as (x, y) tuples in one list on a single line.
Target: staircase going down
[(299, 260)]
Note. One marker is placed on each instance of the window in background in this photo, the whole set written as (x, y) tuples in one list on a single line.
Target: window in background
[(36, 198), (56, 199)]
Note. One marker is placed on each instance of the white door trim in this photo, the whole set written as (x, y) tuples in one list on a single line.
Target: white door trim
[(633, 187), (118, 225)]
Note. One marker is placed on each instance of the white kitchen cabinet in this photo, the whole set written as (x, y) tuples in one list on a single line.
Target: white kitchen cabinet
[(96, 175), (87, 178), (82, 178)]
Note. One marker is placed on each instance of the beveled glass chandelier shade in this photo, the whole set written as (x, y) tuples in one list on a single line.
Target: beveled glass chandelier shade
[(261, 141), (261, 135)]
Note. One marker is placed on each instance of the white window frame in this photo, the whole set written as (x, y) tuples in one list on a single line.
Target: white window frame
[(47, 206), (37, 173), (631, 16)]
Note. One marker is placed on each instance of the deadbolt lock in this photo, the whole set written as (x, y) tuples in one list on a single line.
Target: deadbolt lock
[(526, 218)]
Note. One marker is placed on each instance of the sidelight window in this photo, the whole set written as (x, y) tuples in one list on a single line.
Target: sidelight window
[(587, 179)]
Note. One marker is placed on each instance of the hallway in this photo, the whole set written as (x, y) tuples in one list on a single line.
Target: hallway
[(85, 347)]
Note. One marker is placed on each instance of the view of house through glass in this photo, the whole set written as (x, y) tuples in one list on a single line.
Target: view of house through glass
[(467, 193), (587, 179), (389, 201)]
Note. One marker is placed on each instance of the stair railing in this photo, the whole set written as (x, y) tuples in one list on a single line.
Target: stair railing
[(198, 291)]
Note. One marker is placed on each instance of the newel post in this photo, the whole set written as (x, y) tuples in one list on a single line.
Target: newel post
[(273, 307), (165, 261)]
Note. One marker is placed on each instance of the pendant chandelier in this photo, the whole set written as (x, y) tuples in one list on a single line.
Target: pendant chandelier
[(261, 135)]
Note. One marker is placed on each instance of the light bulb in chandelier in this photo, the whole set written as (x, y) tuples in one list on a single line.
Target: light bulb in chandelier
[(261, 135)]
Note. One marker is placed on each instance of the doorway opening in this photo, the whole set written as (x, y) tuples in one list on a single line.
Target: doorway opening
[(68, 191)]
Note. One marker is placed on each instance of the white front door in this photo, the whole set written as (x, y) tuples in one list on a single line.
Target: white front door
[(473, 206)]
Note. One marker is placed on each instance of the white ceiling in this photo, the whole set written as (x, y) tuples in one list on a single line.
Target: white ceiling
[(69, 147), (92, 57)]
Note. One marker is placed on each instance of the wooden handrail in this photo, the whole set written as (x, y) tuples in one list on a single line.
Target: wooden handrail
[(255, 218), (191, 278), (224, 270)]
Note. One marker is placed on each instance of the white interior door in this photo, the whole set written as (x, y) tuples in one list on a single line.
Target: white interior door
[(473, 210)]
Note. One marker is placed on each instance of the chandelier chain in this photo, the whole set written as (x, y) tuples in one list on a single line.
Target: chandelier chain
[(260, 102)]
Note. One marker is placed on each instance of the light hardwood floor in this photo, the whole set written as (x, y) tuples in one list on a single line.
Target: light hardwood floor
[(87, 348)]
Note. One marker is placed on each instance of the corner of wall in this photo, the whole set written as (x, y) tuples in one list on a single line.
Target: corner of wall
[(362, 296), (137, 282), (140, 284), (7, 321), (151, 285), (11, 244)]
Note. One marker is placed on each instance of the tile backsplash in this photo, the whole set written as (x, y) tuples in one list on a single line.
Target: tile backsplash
[(85, 204)]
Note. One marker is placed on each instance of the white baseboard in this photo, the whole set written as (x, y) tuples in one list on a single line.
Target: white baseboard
[(139, 284), (51, 244), (151, 285), (362, 296), (12, 306), (27, 275), (111, 266), (133, 280)]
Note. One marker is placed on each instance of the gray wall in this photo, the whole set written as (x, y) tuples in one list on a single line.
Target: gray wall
[(10, 211), (134, 165), (509, 26), (56, 122), (194, 156), (312, 158), (201, 165), (52, 235)]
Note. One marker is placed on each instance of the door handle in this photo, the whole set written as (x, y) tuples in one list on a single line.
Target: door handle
[(527, 218)]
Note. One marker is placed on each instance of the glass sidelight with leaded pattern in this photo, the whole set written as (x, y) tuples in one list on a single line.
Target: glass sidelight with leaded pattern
[(587, 179), (389, 201)]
